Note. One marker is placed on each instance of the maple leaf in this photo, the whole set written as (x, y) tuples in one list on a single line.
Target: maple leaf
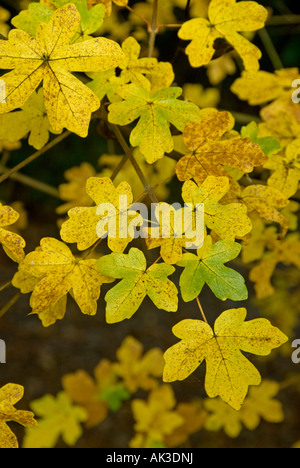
[(49, 315), (194, 416), (208, 153), (259, 404), (74, 192), (138, 370), (50, 58), (268, 145), (108, 4), (208, 267), (32, 119), (227, 221), (171, 236), (155, 111), (12, 243), (59, 417), (285, 169), (155, 418), (10, 394), (228, 372), (226, 19), (125, 298), (60, 273), (82, 224), (264, 87), (266, 201)]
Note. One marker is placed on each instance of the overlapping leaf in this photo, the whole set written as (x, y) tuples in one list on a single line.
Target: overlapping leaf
[(208, 153), (228, 372), (10, 394), (227, 221), (138, 281), (50, 59), (12, 243), (81, 228), (59, 273), (226, 20), (208, 267), (155, 111)]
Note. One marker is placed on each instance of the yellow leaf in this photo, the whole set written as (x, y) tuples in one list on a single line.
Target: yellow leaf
[(227, 221), (226, 19), (155, 418), (208, 153), (60, 273), (228, 372), (82, 224), (12, 243), (138, 370), (50, 59), (73, 192), (32, 119), (285, 170), (10, 394)]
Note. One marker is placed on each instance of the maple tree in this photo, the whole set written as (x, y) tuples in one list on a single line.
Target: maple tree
[(104, 72)]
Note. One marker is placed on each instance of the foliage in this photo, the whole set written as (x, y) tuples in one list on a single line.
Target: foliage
[(95, 71)]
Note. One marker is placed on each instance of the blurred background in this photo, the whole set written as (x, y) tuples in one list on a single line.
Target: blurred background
[(38, 357)]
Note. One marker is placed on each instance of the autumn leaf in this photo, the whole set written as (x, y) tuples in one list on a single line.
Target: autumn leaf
[(227, 221), (73, 192), (10, 394), (138, 369), (29, 20), (155, 111), (226, 20), (208, 267), (59, 273), (58, 417), (138, 281), (266, 201), (12, 243), (259, 404), (50, 59), (285, 169), (228, 371), (81, 228), (268, 145), (264, 87), (173, 232), (32, 119), (156, 418), (208, 153)]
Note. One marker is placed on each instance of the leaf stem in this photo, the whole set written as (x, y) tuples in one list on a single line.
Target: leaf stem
[(201, 310), (153, 30), (270, 49), (10, 304), (135, 164), (34, 156), (5, 286)]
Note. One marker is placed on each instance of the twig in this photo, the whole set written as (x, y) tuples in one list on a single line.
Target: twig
[(10, 303), (33, 183), (139, 16), (5, 286), (270, 49), (34, 156), (135, 164), (283, 20), (153, 30), (201, 310)]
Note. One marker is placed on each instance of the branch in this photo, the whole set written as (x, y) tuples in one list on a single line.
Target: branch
[(153, 29), (34, 156), (138, 170)]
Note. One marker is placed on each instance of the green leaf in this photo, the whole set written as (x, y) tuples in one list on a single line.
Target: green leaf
[(268, 144), (137, 282), (208, 267), (59, 417), (114, 395), (91, 19), (28, 20), (155, 111)]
